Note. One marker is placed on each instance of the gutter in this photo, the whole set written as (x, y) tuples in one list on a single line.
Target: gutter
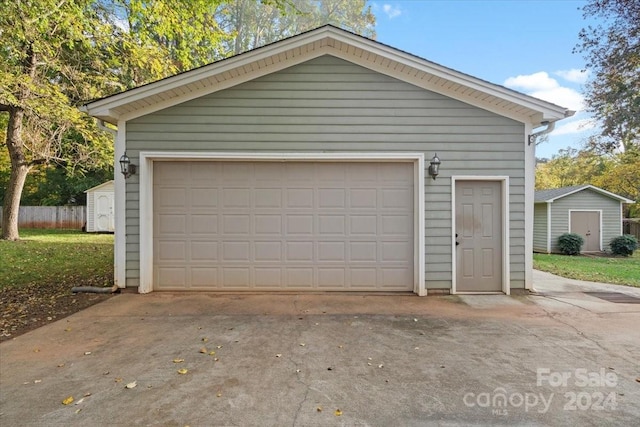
[(550, 126)]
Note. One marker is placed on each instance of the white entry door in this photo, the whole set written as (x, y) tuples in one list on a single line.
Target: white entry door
[(104, 211), (478, 228)]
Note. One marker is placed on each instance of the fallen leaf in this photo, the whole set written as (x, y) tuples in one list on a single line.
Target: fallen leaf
[(118, 380), (36, 350), (61, 365), (183, 371), (203, 350), (279, 355), (302, 344), (79, 401), (86, 353), (68, 400), (219, 394), (37, 381), (87, 394), (415, 320), (78, 410), (638, 379), (369, 363), (381, 366), (298, 370), (131, 385), (319, 409), (215, 359), (67, 329), (205, 339), (178, 360), (219, 347), (337, 412), (212, 353)]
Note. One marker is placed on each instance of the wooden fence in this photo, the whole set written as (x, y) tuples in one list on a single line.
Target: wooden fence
[(68, 217), (630, 226)]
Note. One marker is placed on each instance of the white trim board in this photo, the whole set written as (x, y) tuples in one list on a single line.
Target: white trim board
[(146, 196), (506, 259)]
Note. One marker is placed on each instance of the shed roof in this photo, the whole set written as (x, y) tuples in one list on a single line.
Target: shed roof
[(326, 40), (551, 195), (100, 186)]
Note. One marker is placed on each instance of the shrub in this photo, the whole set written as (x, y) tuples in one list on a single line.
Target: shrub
[(570, 243), (624, 245)]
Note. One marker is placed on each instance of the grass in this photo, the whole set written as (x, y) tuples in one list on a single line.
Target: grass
[(65, 256), (617, 270)]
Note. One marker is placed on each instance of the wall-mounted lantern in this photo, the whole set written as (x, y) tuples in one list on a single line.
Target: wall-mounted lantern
[(434, 167), (126, 167)]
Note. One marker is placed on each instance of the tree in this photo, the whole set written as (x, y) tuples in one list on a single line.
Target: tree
[(44, 45), (612, 52), (253, 23)]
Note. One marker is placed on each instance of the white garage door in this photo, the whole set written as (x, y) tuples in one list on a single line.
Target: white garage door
[(283, 226)]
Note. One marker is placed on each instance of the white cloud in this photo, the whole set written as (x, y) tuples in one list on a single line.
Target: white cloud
[(574, 75), (541, 85), (532, 82), (391, 11), (576, 126)]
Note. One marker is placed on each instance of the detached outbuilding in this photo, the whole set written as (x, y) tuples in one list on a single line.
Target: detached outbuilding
[(310, 165), (100, 208), (589, 211)]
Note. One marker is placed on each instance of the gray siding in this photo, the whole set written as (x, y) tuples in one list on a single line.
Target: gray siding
[(540, 228), (586, 200), (328, 104)]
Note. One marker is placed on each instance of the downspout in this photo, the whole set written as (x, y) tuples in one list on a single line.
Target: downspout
[(550, 126), (104, 127)]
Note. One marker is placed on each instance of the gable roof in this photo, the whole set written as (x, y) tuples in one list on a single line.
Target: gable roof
[(99, 186), (549, 196), (326, 40)]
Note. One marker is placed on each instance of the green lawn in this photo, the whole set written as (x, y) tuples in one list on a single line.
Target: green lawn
[(63, 256), (618, 270)]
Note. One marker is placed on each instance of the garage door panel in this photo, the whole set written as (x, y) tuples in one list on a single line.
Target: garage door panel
[(297, 226), (268, 224), (203, 197), (175, 224), (204, 251), (331, 224), (204, 277), (204, 224), (268, 251), (268, 277), (265, 197), (236, 277), (299, 198)]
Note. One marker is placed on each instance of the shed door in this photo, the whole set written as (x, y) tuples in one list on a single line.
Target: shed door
[(104, 211), (478, 231), (283, 226), (587, 224)]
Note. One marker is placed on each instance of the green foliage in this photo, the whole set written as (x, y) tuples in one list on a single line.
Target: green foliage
[(621, 271), (624, 245), (57, 255), (253, 23), (612, 52), (570, 243), (618, 173)]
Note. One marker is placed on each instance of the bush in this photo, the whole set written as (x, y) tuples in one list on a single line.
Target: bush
[(570, 243), (624, 245)]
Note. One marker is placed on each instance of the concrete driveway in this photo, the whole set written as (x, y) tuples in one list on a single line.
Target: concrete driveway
[(559, 357)]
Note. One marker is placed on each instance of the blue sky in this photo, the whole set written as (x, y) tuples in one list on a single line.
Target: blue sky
[(525, 45)]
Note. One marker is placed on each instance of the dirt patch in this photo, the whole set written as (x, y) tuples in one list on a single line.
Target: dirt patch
[(25, 308)]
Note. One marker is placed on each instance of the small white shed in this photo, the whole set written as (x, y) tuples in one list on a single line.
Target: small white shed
[(100, 208)]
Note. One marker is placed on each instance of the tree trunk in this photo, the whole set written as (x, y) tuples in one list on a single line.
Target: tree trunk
[(19, 170)]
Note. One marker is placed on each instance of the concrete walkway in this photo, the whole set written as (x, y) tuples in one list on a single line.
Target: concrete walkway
[(556, 357)]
